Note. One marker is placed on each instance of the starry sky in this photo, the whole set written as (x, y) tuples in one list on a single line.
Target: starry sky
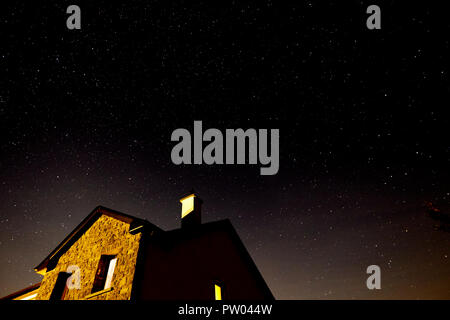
[(86, 118)]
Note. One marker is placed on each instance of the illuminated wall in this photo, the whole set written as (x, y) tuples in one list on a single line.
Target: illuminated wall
[(107, 236)]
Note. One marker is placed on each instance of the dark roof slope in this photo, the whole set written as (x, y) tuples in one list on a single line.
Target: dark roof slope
[(173, 237)]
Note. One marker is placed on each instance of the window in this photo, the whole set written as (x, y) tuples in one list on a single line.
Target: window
[(217, 292), (104, 274), (60, 289)]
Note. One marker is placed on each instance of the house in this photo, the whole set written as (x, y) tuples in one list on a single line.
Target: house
[(114, 256)]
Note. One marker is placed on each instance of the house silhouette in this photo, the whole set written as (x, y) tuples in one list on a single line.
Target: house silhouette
[(114, 256)]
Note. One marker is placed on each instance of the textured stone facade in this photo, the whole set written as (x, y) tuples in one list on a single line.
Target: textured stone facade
[(107, 236)]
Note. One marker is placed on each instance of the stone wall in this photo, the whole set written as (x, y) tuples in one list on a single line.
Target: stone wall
[(106, 236)]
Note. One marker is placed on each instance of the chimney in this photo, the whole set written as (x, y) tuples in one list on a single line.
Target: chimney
[(191, 209)]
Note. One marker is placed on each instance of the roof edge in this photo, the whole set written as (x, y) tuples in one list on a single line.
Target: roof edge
[(21, 291)]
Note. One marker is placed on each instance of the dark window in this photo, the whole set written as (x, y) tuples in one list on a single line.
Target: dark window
[(102, 272), (60, 289)]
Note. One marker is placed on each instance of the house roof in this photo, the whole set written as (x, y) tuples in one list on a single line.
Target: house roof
[(136, 225), (173, 237)]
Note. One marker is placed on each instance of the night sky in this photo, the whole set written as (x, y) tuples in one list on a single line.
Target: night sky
[(87, 115)]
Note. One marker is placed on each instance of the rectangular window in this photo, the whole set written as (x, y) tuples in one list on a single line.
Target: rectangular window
[(218, 292), (109, 276), (60, 289), (104, 274)]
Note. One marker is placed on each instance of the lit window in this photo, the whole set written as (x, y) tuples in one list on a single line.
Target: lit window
[(218, 292), (187, 205), (112, 265), (104, 274)]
